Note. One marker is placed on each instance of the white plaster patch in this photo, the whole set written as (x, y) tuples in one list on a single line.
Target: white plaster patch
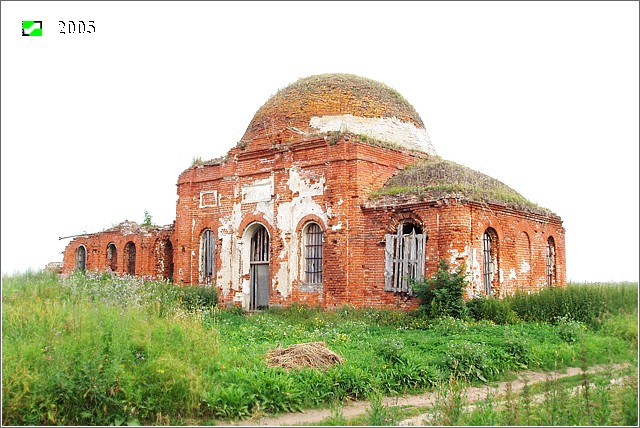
[(266, 209), (305, 183), (337, 226), (259, 191), (228, 271), (389, 129), (281, 281), (525, 267), (289, 215), (208, 198), (474, 270), (512, 274)]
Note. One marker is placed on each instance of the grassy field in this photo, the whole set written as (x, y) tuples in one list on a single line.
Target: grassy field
[(98, 349)]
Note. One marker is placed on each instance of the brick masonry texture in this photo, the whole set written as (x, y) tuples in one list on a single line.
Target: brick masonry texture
[(282, 177)]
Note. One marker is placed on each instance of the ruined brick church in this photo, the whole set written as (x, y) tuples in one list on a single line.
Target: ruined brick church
[(335, 195)]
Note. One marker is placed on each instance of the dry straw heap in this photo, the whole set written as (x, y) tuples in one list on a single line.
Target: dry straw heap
[(303, 355)]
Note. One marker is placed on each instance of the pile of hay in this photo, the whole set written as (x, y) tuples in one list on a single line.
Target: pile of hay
[(303, 355)]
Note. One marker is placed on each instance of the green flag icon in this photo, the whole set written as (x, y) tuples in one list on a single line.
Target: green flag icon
[(32, 28)]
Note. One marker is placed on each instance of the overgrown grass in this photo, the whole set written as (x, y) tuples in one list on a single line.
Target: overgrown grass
[(98, 349), (584, 400), (587, 303)]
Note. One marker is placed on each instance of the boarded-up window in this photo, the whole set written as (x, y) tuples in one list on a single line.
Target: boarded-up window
[(551, 262), (312, 254), (404, 258), (489, 261), (81, 258), (207, 253), (130, 258), (112, 257)]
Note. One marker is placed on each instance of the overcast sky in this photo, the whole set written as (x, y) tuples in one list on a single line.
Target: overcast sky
[(97, 127)]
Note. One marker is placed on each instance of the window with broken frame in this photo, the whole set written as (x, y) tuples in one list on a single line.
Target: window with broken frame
[(404, 258)]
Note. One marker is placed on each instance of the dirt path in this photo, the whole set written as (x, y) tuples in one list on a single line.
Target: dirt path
[(473, 394)]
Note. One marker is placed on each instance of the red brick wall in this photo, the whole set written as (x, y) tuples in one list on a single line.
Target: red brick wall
[(350, 170), (150, 254), (354, 228), (454, 233)]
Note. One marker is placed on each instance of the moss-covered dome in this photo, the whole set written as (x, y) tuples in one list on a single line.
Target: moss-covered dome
[(341, 102), (434, 178)]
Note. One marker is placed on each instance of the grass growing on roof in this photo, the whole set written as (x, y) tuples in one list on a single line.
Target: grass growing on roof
[(437, 178)]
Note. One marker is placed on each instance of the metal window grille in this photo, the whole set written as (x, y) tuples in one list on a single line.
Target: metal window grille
[(405, 257), (131, 258), (259, 270), (260, 246), (313, 254), (81, 258), (207, 251), (551, 262), (487, 258)]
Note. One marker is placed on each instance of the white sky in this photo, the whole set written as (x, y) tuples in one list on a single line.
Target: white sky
[(97, 127)]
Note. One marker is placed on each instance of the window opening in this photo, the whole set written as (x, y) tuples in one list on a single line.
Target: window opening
[(313, 254), (81, 258), (259, 269), (207, 252), (112, 257), (489, 260), (130, 257), (551, 262), (405, 257)]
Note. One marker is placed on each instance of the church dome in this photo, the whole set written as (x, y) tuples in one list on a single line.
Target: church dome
[(341, 102)]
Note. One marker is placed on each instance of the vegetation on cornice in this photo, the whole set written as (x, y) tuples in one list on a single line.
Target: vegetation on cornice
[(436, 178)]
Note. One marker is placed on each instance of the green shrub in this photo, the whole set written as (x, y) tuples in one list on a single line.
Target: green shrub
[(491, 309), (197, 297), (623, 326), (391, 350), (449, 326), (469, 360), (569, 330), (442, 294), (588, 303)]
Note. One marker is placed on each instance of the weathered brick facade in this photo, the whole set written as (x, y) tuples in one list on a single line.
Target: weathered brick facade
[(125, 248), (311, 156)]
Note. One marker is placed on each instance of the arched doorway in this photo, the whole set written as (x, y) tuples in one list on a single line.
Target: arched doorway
[(259, 269), (112, 257), (130, 258), (165, 267), (81, 258)]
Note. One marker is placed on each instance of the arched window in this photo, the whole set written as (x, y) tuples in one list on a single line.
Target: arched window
[(130, 258), (112, 257), (551, 262), (489, 260), (404, 257), (207, 253), (259, 267), (81, 258), (312, 253)]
